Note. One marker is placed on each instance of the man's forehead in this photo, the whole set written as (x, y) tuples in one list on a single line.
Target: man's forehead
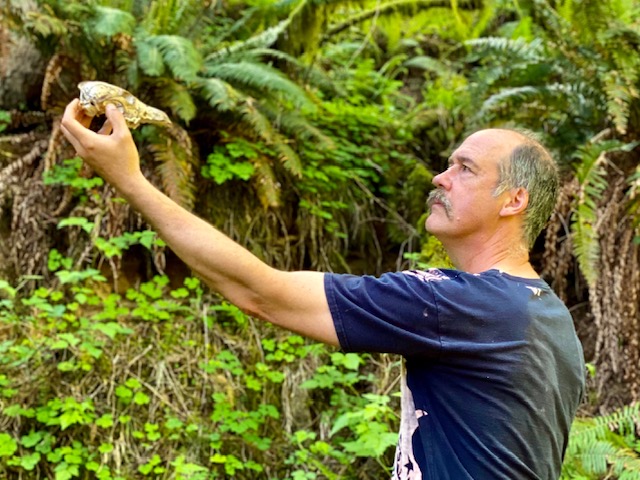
[(485, 145)]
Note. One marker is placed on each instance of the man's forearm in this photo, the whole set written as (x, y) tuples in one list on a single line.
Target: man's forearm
[(293, 300), (222, 263)]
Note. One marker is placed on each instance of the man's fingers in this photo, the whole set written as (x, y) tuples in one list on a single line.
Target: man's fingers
[(72, 140), (74, 121), (106, 128)]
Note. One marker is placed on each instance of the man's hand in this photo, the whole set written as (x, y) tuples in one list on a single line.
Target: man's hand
[(111, 152)]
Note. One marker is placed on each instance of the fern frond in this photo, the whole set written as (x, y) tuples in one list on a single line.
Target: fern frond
[(108, 21), (619, 97), (263, 128), (262, 40), (512, 95), (598, 445), (175, 171), (256, 55), (43, 25), (149, 57), (259, 123), (591, 175), (620, 79), (51, 78), (219, 94), (428, 64), (178, 98), (294, 123), (288, 156), (580, 97), (309, 73), (585, 241), (179, 54), (507, 50), (260, 78)]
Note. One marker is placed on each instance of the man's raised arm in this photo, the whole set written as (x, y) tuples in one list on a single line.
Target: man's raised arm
[(293, 300)]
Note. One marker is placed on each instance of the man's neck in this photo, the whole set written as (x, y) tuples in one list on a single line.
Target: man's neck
[(510, 259)]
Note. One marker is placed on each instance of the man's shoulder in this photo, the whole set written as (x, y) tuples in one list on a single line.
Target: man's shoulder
[(432, 274), (485, 282)]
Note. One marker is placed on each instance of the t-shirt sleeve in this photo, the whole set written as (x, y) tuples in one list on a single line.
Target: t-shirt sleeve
[(395, 313)]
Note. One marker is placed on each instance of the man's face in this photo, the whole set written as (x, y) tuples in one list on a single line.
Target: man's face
[(463, 204)]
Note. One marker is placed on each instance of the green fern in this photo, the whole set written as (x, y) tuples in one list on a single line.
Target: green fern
[(263, 39), (149, 57), (310, 74), (261, 78), (427, 64), (621, 81), (579, 98), (175, 166), (512, 96), (604, 445), (298, 125), (591, 176), (107, 22), (178, 98), (592, 180), (266, 131), (44, 25), (507, 50), (619, 97), (179, 54), (219, 94)]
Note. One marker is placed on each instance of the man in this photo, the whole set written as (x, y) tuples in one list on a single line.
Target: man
[(494, 370)]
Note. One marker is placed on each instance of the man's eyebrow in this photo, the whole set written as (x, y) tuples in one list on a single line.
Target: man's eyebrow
[(462, 159)]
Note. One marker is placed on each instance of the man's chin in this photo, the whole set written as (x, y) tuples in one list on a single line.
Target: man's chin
[(431, 227)]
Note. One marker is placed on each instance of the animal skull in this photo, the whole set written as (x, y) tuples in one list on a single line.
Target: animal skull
[(95, 95)]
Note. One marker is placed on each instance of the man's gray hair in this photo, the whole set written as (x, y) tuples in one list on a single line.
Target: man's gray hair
[(531, 167)]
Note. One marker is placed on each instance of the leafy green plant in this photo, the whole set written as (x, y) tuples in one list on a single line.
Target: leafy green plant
[(221, 168), (68, 173), (371, 427), (591, 176), (604, 446), (68, 338)]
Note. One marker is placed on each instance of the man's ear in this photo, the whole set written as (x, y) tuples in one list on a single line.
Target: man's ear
[(516, 202)]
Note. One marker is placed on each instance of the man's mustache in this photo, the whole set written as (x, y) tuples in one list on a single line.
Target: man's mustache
[(438, 196)]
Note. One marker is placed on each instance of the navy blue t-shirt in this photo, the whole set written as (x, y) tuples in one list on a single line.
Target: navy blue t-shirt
[(494, 369)]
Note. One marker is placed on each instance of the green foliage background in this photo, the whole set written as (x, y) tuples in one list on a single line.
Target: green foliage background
[(309, 131)]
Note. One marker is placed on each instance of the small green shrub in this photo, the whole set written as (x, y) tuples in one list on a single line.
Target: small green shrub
[(175, 383)]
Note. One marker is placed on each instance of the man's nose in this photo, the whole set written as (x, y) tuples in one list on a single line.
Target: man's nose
[(442, 180)]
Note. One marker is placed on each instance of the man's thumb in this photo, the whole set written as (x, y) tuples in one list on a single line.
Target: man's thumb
[(116, 118)]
